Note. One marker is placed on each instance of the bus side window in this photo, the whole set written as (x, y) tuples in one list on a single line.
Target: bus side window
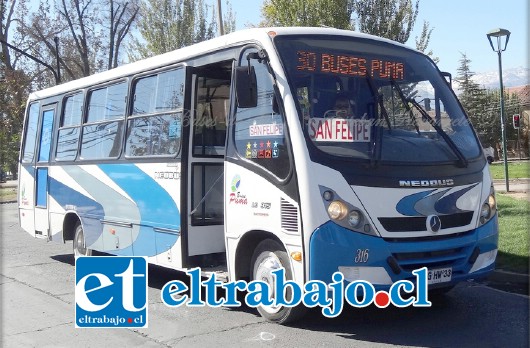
[(154, 128), (102, 131), (260, 132), (31, 133), (68, 138)]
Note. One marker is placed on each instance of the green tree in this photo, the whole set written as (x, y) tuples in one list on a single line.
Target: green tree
[(422, 42), (14, 86), (471, 94), (312, 13), (229, 18), (90, 32), (166, 25), (122, 16), (481, 105), (391, 19)]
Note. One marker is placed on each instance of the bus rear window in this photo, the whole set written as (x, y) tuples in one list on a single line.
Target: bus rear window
[(31, 133)]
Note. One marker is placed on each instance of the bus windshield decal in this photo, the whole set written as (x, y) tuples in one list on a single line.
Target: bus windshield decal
[(350, 65), (265, 130), (339, 130)]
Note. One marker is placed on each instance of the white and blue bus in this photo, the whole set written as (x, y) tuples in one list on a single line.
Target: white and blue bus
[(230, 155)]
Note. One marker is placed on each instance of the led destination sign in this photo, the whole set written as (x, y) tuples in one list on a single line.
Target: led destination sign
[(349, 65)]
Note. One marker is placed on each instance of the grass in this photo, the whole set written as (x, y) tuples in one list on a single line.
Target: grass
[(516, 170), (513, 234), (8, 194)]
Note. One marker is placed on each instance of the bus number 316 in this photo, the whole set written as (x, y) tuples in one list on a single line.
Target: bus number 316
[(361, 255)]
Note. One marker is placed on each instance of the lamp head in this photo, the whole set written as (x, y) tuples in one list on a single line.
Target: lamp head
[(498, 33)]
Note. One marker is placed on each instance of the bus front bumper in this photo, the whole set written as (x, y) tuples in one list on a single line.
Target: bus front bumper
[(470, 255)]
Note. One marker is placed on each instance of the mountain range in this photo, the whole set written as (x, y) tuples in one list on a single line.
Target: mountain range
[(512, 77)]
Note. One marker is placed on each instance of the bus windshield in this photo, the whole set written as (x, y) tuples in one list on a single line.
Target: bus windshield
[(370, 100)]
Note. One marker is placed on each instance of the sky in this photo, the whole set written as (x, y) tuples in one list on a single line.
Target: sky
[(459, 26)]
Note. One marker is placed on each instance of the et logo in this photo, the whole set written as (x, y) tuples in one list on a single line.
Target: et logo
[(111, 291)]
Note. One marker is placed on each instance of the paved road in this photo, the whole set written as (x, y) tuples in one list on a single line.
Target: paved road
[(37, 291)]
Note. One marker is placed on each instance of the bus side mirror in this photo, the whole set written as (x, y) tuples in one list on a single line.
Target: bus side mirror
[(275, 105), (246, 87), (448, 78)]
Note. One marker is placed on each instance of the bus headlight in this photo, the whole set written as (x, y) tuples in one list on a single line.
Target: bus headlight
[(485, 212), (337, 210), (489, 207), (492, 201), (346, 214), (354, 218)]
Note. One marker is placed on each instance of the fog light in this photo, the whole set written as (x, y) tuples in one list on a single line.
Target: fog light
[(337, 210), (327, 195), (354, 218)]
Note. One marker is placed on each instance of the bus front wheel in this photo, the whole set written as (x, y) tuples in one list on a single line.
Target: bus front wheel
[(269, 256), (80, 248)]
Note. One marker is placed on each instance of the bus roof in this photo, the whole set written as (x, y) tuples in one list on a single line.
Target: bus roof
[(261, 35)]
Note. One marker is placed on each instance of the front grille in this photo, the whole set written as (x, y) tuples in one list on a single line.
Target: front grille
[(410, 261), (419, 223), (429, 238)]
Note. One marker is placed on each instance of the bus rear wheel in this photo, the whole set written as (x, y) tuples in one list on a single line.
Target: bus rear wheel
[(269, 256), (80, 248)]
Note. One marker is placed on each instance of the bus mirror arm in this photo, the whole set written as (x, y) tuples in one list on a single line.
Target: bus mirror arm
[(246, 87), (448, 78)]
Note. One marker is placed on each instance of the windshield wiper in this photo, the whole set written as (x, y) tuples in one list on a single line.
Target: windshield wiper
[(377, 143), (379, 99), (461, 158), (409, 110)]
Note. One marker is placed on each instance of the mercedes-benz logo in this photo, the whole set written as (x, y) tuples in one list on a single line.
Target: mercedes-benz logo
[(433, 223)]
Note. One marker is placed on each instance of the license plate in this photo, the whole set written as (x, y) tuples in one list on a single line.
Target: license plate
[(440, 275)]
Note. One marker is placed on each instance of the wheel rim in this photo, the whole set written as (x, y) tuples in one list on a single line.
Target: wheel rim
[(263, 272), (80, 248)]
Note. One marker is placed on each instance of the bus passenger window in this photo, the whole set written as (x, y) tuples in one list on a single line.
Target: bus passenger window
[(68, 138), (155, 126), (102, 132)]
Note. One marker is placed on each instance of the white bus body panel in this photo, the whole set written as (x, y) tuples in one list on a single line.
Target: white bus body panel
[(255, 204)]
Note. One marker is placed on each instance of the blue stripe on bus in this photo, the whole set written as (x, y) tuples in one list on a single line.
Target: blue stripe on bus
[(65, 195), (406, 205), (156, 207)]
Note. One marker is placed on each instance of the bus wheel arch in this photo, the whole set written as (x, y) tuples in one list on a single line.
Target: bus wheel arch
[(245, 250), (70, 222)]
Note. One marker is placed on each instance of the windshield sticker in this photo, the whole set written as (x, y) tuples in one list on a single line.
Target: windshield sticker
[(339, 130), (265, 130), (174, 129), (350, 65), (262, 149)]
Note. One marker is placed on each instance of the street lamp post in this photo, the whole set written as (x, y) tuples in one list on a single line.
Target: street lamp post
[(499, 34)]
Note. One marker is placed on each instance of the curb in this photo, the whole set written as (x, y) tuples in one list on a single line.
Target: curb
[(500, 275)]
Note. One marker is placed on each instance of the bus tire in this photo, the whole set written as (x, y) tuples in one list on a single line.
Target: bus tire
[(268, 256), (80, 248)]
